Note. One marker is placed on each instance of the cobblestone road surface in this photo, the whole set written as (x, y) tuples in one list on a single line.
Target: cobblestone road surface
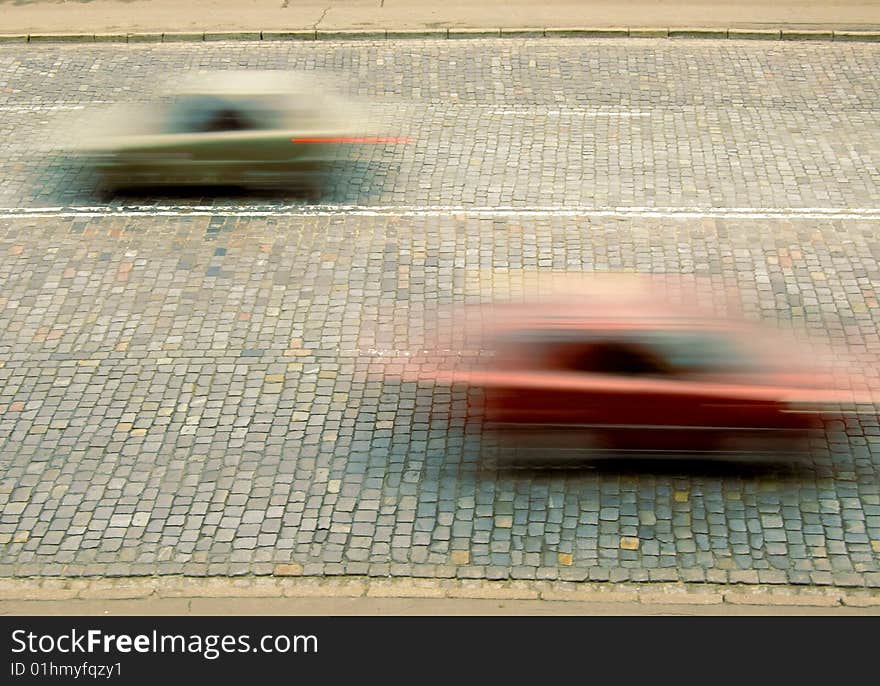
[(199, 391)]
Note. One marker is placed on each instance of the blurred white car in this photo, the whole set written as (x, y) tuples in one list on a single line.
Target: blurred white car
[(270, 129)]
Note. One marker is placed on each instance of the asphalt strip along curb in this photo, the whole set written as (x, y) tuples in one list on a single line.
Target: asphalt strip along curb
[(287, 583), (448, 33)]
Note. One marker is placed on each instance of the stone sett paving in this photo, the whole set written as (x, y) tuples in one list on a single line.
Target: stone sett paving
[(181, 400), (204, 395)]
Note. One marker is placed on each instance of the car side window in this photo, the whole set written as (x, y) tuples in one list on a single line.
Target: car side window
[(701, 353), (208, 115), (617, 357), (227, 119)]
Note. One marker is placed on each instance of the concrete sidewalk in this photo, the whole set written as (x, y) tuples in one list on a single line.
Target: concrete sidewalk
[(144, 16), (354, 607), (402, 596)]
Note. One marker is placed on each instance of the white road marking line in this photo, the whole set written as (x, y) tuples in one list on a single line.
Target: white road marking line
[(48, 108), (568, 113), (39, 108), (490, 108), (291, 210)]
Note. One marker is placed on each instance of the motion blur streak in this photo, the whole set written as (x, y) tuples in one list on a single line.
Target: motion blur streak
[(227, 128)]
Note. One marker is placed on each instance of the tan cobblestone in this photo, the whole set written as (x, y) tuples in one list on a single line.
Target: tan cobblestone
[(291, 569), (629, 543), (460, 557)]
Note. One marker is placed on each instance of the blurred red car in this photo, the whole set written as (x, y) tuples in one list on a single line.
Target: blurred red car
[(635, 377)]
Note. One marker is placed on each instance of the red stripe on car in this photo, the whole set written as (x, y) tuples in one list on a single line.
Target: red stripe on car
[(349, 139)]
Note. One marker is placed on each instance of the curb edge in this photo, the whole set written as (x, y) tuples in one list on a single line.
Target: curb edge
[(694, 33), (294, 585)]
